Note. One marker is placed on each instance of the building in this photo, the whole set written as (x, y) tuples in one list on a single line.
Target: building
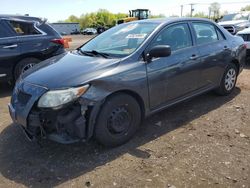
[(66, 28)]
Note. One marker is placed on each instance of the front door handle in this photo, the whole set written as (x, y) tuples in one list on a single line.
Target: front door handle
[(10, 46), (225, 48), (193, 57)]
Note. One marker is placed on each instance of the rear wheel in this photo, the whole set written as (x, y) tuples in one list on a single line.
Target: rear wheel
[(24, 65), (118, 120), (228, 81)]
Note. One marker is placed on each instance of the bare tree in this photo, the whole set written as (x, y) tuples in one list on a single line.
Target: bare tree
[(246, 8), (214, 10)]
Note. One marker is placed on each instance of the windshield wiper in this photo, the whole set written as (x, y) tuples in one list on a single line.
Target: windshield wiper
[(84, 52), (105, 55), (94, 52)]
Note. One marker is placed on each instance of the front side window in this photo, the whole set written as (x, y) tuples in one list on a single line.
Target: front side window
[(205, 33), (24, 28), (121, 40), (177, 37)]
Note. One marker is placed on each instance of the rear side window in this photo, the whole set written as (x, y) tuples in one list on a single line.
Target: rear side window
[(24, 28), (205, 33)]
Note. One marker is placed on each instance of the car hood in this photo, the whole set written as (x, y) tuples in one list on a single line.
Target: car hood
[(68, 70), (244, 31), (232, 22)]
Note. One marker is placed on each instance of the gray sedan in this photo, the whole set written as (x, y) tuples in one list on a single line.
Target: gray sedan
[(107, 86)]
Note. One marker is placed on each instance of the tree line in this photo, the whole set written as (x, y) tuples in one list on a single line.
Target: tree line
[(105, 18), (100, 18)]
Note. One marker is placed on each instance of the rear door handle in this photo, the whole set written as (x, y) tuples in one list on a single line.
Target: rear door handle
[(193, 57), (226, 48), (10, 46)]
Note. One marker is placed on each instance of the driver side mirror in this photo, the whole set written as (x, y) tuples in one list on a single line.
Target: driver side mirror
[(159, 51)]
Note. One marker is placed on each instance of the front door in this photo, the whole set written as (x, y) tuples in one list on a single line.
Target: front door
[(171, 78)]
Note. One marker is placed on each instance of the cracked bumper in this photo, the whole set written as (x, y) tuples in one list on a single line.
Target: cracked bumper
[(66, 125)]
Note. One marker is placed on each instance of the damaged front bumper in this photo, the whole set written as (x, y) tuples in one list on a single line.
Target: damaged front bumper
[(72, 123)]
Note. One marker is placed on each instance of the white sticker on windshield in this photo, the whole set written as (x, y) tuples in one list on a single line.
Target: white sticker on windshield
[(136, 36)]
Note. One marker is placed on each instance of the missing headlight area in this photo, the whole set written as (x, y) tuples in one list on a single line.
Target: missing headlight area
[(65, 125)]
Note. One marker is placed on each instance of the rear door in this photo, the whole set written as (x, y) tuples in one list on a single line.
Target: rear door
[(214, 51), (174, 77), (9, 50), (32, 40)]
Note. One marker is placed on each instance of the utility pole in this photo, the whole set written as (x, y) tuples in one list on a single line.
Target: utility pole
[(209, 14), (181, 10), (192, 9)]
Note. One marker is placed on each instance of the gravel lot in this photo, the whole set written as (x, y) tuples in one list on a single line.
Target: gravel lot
[(204, 142)]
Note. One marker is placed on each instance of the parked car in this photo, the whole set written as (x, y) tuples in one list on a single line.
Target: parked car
[(245, 34), (107, 86), (89, 31), (63, 33), (75, 32), (24, 42), (101, 29), (235, 22)]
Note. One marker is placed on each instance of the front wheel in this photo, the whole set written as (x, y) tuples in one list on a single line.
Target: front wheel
[(228, 81), (24, 65), (118, 120)]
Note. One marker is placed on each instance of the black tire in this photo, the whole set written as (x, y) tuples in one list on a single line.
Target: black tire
[(21, 66), (224, 89), (118, 120)]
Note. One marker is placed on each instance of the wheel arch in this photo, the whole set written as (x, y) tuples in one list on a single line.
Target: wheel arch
[(133, 94), (101, 131), (97, 108), (237, 64)]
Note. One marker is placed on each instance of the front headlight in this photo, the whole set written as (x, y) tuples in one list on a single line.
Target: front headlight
[(240, 27), (56, 98)]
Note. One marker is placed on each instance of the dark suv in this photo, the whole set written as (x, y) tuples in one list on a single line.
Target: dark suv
[(24, 42)]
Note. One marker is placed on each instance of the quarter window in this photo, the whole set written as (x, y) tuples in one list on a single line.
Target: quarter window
[(205, 33), (176, 36), (24, 28)]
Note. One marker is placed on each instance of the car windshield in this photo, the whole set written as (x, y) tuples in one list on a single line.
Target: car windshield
[(120, 41), (240, 16)]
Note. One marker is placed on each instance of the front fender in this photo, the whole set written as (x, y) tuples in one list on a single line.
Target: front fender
[(130, 78)]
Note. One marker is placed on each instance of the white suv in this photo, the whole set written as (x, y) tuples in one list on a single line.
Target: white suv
[(235, 22), (245, 34)]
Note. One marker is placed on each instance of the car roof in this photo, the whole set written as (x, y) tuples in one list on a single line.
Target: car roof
[(20, 18), (171, 19)]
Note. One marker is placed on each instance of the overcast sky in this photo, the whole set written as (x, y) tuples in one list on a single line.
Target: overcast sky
[(56, 10)]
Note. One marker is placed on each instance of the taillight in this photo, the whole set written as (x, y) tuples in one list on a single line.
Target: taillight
[(58, 41), (245, 45)]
